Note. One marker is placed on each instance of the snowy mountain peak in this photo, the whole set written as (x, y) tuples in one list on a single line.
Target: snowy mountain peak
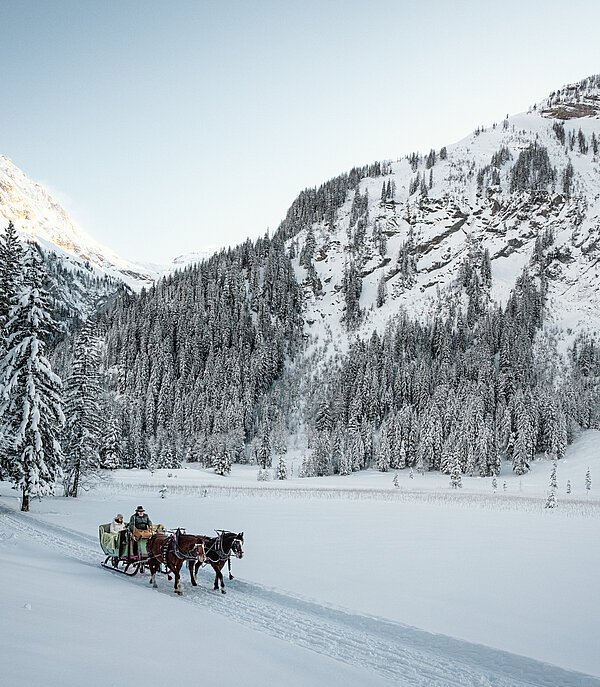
[(38, 217)]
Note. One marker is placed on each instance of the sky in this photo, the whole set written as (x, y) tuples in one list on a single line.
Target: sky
[(166, 127)]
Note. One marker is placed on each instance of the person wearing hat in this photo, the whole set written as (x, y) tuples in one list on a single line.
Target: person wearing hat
[(117, 525), (139, 520)]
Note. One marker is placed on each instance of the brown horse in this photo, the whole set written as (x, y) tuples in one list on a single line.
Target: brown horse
[(172, 550), (217, 551)]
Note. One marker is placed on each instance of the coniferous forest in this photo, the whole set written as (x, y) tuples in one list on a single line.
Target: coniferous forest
[(220, 363), (211, 365)]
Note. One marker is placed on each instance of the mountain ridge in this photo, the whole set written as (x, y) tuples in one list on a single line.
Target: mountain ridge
[(469, 193)]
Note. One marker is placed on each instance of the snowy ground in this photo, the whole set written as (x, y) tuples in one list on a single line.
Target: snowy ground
[(338, 575)]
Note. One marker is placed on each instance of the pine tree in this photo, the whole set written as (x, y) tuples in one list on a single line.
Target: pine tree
[(281, 468), (553, 480), (551, 500), (264, 451), (82, 413), (455, 475), (381, 291), (11, 272), (588, 481), (320, 456), (222, 459), (110, 443), (30, 392)]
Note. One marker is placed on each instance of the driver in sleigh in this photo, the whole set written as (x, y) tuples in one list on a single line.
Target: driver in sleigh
[(140, 524)]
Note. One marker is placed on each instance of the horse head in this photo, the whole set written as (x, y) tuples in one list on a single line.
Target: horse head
[(198, 550), (237, 543)]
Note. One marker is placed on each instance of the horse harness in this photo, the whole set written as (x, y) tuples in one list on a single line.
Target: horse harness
[(171, 544), (216, 549)]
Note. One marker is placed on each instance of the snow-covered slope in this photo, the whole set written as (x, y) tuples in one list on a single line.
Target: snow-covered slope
[(37, 216), (473, 198)]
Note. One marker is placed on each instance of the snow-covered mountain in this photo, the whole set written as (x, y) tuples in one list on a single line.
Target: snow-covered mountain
[(83, 273), (181, 261), (526, 190), (37, 216)]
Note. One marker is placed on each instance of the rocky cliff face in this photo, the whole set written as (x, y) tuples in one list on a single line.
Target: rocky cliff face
[(524, 192)]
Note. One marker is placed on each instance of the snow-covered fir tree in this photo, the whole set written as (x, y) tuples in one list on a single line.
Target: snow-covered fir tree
[(551, 500), (110, 440), (281, 468), (81, 438), (222, 459), (30, 392), (455, 475), (11, 275)]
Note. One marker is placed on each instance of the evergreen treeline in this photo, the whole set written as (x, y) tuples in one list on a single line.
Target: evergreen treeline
[(320, 204), (455, 395), (192, 357)]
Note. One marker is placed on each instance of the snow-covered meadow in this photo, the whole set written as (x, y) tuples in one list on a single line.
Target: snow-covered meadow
[(342, 582)]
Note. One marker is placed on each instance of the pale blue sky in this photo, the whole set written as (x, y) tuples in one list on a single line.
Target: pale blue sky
[(166, 126)]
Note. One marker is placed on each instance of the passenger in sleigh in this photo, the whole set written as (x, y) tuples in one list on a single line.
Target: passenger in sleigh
[(117, 527)]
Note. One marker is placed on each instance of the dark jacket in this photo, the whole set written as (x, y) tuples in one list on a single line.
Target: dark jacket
[(141, 522)]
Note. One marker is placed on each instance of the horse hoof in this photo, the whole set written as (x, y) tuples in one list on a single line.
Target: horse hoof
[(223, 591)]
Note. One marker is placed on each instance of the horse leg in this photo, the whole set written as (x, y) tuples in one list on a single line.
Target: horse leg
[(176, 568), (222, 579), (216, 569), (153, 568), (192, 574)]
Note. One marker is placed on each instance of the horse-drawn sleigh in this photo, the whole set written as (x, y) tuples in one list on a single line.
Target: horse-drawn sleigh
[(166, 552)]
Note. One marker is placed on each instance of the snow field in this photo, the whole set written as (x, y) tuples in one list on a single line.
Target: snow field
[(337, 574), (68, 622)]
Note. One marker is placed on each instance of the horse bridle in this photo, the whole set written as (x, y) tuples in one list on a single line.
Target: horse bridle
[(217, 547)]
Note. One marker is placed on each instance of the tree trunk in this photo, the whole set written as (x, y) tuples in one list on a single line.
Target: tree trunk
[(25, 502), (75, 486)]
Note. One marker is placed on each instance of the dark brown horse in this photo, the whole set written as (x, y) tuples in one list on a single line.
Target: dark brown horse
[(172, 550), (217, 551)]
